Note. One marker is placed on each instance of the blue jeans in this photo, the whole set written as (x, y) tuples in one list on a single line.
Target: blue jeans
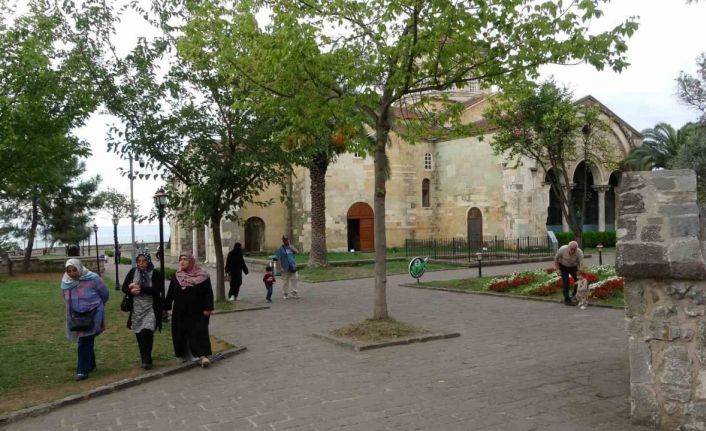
[(86, 355), (269, 291), (567, 271)]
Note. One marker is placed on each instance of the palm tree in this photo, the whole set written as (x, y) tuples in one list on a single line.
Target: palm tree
[(661, 144)]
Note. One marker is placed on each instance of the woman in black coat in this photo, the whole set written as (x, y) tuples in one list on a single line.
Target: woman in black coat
[(235, 267), (145, 285)]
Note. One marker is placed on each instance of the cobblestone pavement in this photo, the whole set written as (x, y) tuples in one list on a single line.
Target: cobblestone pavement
[(518, 366)]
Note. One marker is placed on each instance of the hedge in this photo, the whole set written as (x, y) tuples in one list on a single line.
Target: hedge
[(590, 239)]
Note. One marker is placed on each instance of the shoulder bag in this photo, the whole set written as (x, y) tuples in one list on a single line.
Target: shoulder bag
[(81, 320)]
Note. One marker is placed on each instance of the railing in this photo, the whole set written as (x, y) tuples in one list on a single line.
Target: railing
[(491, 248)]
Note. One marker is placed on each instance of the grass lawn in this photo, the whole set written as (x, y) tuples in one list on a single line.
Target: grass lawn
[(366, 270), (539, 278), (38, 360), (335, 256)]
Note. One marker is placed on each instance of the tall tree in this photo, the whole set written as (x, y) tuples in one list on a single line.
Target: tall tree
[(47, 90), (68, 210), (543, 124), (660, 145), (374, 55), (197, 127), (692, 155), (691, 89)]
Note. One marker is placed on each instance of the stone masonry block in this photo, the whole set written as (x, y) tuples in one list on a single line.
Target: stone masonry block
[(631, 203), (634, 292), (682, 209), (631, 181), (684, 227), (643, 404), (676, 367), (651, 233), (628, 228), (640, 361), (686, 260), (641, 260), (665, 183)]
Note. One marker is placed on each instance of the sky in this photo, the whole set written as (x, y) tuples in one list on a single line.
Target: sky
[(670, 38)]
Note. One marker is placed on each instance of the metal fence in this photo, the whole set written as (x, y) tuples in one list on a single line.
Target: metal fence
[(491, 248)]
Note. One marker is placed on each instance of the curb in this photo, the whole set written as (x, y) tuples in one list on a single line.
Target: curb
[(254, 308), (503, 295), (41, 409), (360, 346)]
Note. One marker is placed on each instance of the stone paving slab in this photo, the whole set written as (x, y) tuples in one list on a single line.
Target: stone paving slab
[(520, 365)]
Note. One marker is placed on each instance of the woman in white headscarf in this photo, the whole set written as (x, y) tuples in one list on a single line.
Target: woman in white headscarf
[(84, 292)]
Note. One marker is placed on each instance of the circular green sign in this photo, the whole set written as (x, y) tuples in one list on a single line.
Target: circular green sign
[(417, 266)]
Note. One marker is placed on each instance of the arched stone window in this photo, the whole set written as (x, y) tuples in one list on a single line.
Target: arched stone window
[(425, 193), (428, 162)]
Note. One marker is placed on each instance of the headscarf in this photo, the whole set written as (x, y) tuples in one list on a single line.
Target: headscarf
[(144, 277), (191, 275), (68, 282)]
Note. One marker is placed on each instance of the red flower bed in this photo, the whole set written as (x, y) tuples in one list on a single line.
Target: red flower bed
[(550, 270), (549, 288), (608, 288), (590, 277), (506, 284)]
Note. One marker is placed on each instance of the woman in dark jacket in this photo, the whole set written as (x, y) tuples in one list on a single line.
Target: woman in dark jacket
[(145, 285), (190, 297), (235, 267)]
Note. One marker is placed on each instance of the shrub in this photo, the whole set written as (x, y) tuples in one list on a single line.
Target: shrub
[(109, 253), (126, 260), (590, 239), (168, 274)]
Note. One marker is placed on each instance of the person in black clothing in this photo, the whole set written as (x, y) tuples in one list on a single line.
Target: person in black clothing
[(145, 285), (235, 267), (190, 298)]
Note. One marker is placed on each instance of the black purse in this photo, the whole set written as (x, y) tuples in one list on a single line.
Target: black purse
[(81, 320), (126, 304)]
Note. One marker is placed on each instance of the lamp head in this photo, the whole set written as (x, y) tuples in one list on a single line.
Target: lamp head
[(599, 247), (116, 219), (479, 256), (95, 228), (160, 199)]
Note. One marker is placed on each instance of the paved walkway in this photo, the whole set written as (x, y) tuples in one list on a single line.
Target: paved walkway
[(518, 366)]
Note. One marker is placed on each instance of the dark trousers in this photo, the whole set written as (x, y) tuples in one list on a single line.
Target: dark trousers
[(234, 288), (86, 355), (269, 292), (567, 271), (145, 340), (191, 333)]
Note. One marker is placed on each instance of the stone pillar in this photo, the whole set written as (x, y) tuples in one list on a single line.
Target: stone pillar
[(195, 245), (601, 206), (207, 245), (660, 255)]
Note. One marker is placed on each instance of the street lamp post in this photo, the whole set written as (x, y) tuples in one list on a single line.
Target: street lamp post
[(600, 253), (98, 259), (116, 219), (160, 201), (479, 258)]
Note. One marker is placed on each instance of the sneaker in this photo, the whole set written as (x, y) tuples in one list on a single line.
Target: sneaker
[(286, 296), (268, 300), (204, 362), (583, 307), (146, 366), (295, 293), (231, 298), (80, 377), (568, 302)]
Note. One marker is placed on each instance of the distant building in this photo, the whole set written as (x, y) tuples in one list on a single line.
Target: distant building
[(456, 188)]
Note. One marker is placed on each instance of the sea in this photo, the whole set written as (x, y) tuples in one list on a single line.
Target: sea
[(149, 233)]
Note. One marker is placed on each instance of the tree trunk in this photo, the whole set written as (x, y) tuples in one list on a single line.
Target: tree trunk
[(218, 246), (32, 233), (381, 136), (579, 235), (317, 173)]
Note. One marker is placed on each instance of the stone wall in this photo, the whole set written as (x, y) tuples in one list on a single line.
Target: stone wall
[(661, 255), (55, 265)]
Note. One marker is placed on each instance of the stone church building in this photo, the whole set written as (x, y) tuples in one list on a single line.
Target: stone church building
[(446, 189)]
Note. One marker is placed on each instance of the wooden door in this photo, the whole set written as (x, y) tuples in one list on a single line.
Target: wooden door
[(475, 228), (365, 234)]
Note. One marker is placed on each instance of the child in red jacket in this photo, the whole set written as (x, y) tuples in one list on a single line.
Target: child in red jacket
[(269, 280)]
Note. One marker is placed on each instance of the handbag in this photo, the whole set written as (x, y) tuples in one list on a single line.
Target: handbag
[(81, 320), (126, 303)]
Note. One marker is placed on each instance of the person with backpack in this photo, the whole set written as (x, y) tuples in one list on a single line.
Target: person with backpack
[(288, 265)]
